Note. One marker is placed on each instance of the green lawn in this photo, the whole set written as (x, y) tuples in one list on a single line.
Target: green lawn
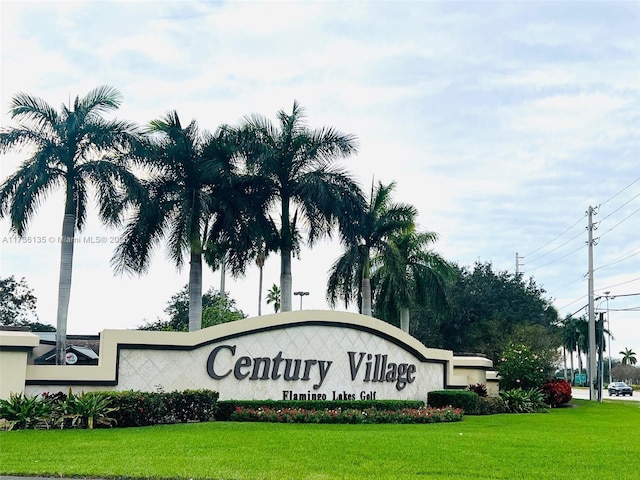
[(590, 441)]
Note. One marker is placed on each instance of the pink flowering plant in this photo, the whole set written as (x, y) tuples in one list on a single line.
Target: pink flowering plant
[(520, 367), (350, 415)]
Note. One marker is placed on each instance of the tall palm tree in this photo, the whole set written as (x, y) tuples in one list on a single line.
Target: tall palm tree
[(350, 275), (75, 148), (193, 197), (581, 333), (628, 357), (408, 273), (569, 341), (297, 165)]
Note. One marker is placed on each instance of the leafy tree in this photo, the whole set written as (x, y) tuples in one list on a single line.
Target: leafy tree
[(486, 307), (274, 296), (350, 275), (74, 148), (194, 197), (625, 373), (521, 367), (410, 273), (628, 357), (216, 310), (18, 306), (17, 301), (297, 166)]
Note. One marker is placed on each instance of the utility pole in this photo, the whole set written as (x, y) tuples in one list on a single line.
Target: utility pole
[(592, 318), (518, 264)]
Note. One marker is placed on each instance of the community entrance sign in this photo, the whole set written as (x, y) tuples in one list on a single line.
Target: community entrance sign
[(307, 355)]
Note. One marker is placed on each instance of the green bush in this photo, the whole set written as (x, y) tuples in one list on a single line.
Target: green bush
[(89, 409), (21, 411), (138, 409), (491, 406), (520, 367), (225, 408), (464, 399), (518, 400)]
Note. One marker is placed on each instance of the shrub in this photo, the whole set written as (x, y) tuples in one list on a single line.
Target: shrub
[(491, 406), (556, 392), (21, 411), (89, 409), (519, 367), (479, 388), (226, 408), (518, 400), (464, 399), (138, 409), (352, 416)]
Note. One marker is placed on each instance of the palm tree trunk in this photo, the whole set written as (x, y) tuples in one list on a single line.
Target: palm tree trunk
[(564, 357), (366, 288), (64, 283), (285, 280), (195, 292), (223, 273), (285, 258), (260, 262), (579, 361), (572, 370), (404, 320)]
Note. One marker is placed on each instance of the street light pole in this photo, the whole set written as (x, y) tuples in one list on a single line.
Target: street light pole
[(606, 294), (301, 294)]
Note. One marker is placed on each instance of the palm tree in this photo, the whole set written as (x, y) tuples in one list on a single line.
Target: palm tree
[(274, 296), (350, 275), (194, 197), (74, 148), (581, 332), (297, 165), (569, 341), (628, 357), (408, 273)]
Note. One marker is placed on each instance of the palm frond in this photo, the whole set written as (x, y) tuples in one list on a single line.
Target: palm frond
[(33, 109)]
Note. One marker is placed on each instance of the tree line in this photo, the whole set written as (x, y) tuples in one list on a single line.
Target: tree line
[(231, 197), (228, 198)]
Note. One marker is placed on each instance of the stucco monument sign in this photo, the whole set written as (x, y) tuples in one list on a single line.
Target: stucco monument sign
[(304, 355)]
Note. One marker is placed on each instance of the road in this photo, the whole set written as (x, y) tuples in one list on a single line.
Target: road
[(583, 394)]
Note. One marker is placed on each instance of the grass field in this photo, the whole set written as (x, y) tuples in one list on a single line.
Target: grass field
[(589, 441)]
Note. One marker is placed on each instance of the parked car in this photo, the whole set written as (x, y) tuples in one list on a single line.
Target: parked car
[(620, 388)]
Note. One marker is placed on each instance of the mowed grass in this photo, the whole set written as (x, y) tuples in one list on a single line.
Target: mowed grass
[(589, 441)]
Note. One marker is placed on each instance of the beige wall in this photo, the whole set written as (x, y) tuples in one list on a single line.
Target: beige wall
[(142, 360), (14, 351)]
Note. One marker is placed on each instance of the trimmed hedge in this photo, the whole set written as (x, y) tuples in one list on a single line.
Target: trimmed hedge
[(225, 408), (464, 399), (139, 409)]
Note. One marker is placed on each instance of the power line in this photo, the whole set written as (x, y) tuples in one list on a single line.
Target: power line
[(554, 239), (619, 259), (623, 205), (621, 221), (555, 260), (625, 188)]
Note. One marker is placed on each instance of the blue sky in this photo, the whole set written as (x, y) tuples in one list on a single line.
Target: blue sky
[(502, 122)]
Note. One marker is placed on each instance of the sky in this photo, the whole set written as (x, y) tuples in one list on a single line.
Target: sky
[(501, 122)]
